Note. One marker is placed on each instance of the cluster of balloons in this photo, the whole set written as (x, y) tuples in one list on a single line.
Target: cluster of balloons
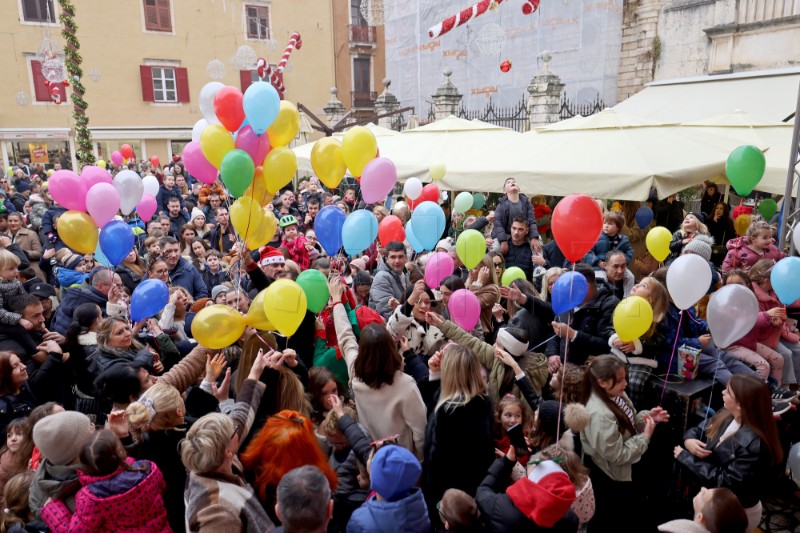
[(123, 155)]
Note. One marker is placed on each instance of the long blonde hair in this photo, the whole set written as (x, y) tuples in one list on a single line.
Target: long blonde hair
[(554, 271), (156, 409), (461, 378)]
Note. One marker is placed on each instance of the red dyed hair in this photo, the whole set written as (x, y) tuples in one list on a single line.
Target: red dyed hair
[(285, 442)]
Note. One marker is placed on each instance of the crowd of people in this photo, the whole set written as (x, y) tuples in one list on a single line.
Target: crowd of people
[(381, 413)]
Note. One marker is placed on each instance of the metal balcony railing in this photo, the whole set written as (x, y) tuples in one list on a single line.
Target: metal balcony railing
[(363, 100), (362, 35)]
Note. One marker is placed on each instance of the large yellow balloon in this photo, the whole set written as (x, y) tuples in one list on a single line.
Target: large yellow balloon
[(215, 142), (285, 305), (327, 160), (256, 318), (632, 318), (257, 190), (245, 216), (101, 163), (657, 241), (286, 125), (264, 231), (279, 168), (437, 171), (471, 247), (218, 326), (741, 224), (78, 231), (359, 147)]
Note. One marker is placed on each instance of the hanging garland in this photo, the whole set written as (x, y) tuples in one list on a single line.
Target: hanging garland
[(85, 153)]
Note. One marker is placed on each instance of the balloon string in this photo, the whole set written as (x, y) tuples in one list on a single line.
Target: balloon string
[(566, 354), (672, 357), (711, 393)]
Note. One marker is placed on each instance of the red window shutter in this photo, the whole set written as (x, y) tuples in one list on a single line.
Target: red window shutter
[(182, 82), (146, 74), (246, 79), (41, 91)]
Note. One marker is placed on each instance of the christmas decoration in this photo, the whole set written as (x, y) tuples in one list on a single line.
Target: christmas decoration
[(245, 58), (215, 69), (295, 41), (530, 6), (373, 12), (22, 99), (272, 45), (54, 70), (55, 94), (489, 41), (463, 17), (73, 62), (505, 66)]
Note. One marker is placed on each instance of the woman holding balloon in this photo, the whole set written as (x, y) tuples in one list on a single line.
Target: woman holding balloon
[(482, 281)]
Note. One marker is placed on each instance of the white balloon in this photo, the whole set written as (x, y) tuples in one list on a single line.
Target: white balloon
[(796, 236), (413, 188), (688, 279), (732, 312), (198, 128), (151, 186), (207, 95), (131, 189)]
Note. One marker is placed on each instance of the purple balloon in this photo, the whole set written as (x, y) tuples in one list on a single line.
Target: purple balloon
[(197, 164), (255, 145), (439, 266), (465, 309), (146, 207), (68, 189), (93, 175), (378, 179)]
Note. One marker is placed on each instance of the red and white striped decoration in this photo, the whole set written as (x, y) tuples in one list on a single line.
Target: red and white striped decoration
[(462, 18), (294, 42), (274, 78)]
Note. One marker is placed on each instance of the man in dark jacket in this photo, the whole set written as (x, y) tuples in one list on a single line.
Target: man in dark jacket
[(166, 192), (669, 213), (591, 325), (222, 237), (304, 501), (106, 285), (177, 218), (182, 272), (511, 206), (519, 252), (390, 281)]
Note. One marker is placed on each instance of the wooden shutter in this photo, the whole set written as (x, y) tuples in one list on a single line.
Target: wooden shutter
[(182, 84), (245, 79), (40, 89), (146, 74), (157, 15)]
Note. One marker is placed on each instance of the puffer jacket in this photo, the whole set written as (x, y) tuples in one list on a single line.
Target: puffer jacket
[(385, 286), (406, 515), (502, 219), (769, 335), (125, 501), (603, 246), (741, 255)]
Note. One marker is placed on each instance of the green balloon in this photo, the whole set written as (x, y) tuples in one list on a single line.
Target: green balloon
[(237, 170), (767, 208), (471, 248), (745, 168), (315, 285), (463, 202), (478, 200), (511, 274)]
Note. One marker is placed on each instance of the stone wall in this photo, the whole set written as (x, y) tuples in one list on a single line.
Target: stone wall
[(640, 46)]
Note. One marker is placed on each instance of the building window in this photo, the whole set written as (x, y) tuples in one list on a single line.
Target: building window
[(249, 77), (162, 84), (257, 22), (363, 96), (157, 15), (356, 18), (41, 90), (38, 11)]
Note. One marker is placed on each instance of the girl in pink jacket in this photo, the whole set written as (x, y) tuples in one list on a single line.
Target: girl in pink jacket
[(758, 243)]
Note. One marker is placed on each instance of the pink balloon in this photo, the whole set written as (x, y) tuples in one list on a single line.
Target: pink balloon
[(68, 189), (93, 175), (116, 157), (378, 179), (146, 207), (256, 145), (439, 266), (102, 203), (197, 164), (465, 309)]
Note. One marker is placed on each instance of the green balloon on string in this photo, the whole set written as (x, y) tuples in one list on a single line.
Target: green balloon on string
[(767, 208), (237, 170), (745, 168)]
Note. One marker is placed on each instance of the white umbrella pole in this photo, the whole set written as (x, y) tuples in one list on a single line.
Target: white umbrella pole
[(787, 197)]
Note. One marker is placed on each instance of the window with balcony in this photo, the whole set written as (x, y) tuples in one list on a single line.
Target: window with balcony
[(363, 97), (158, 15), (257, 22), (38, 11), (164, 85)]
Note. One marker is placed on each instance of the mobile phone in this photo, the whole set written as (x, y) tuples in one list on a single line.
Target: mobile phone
[(517, 439)]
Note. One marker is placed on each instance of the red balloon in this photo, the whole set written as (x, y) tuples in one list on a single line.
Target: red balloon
[(155, 160), (430, 193), (576, 223), (391, 229), (228, 107), (126, 151)]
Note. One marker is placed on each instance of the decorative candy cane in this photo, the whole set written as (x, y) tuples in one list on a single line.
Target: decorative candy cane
[(294, 42), (462, 18), (274, 78)]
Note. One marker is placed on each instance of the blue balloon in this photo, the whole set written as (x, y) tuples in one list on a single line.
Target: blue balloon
[(116, 241), (149, 297), (412, 240), (428, 222), (261, 104), (569, 291), (644, 216), (784, 278), (359, 231), (328, 226), (100, 257)]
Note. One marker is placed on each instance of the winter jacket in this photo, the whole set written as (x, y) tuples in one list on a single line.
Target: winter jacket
[(741, 255), (188, 277), (212, 280), (125, 501), (669, 215), (71, 299), (708, 203), (54, 481), (422, 338), (520, 256), (740, 463), (29, 242), (163, 196), (385, 286), (177, 222), (593, 322), (297, 252), (407, 515), (129, 278), (502, 218), (222, 238), (105, 358), (500, 513), (603, 246), (554, 256), (676, 245), (627, 282), (769, 335), (8, 291)]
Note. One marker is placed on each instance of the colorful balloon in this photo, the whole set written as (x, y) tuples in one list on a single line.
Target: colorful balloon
[(576, 223), (510, 274), (285, 306), (261, 105), (245, 216), (745, 168), (412, 188), (197, 165), (218, 326), (632, 318), (359, 231), (207, 96), (327, 160), (237, 171), (102, 164), (215, 142), (415, 243), (437, 171), (784, 278), (257, 146), (228, 107), (731, 313), (569, 291), (767, 208), (92, 175), (130, 188), (463, 202), (391, 229), (286, 125), (644, 216), (439, 266), (256, 316), (116, 241), (198, 128), (264, 232), (279, 168), (741, 224), (258, 188), (148, 299), (126, 150), (471, 248), (430, 193), (150, 185), (102, 203), (147, 207), (688, 280), (359, 147), (116, 158), (315, 285), (429, 223), (478, 200), (328, 226), (68, 189), (465, 309), (78, 231), (378, 180), (657, 242), (155, 161)]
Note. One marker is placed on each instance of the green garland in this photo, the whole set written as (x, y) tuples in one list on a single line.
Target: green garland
[(85, 152)]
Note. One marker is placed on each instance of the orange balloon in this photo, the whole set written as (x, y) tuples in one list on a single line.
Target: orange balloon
[(257, 190)]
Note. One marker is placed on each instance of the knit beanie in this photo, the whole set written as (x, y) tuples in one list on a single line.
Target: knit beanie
[(197, 213), (510, 339), (545, 495), (395, 471), (700, 245), (61, 436)]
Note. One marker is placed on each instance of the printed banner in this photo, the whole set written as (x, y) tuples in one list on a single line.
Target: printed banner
[(39, 153)]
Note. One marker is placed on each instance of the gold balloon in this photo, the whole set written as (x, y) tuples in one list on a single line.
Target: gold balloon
[(218, 326), (257, 190), (263, 232), (359, 147), (327, 160), (741, 224), (256, 318), (78, 231), (279, 168), (285, 305), (215, 142), (245, 216), (285, 126)]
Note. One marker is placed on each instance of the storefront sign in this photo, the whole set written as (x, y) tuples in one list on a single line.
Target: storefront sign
[(39, 153)]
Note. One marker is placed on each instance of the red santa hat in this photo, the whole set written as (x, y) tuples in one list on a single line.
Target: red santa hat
[(545, 495), (271, 256)]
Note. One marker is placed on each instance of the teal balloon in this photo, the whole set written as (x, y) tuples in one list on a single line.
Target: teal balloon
[(478, 200), (359, 231), (767, 208), (412, 239), (784, 278), (116, 241), (428, 223), (315, 285), (745, 168), (261, 104), (237, 170)]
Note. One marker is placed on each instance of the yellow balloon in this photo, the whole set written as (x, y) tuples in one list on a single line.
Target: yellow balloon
[(101, 163), (657, 241), (245, 216), (327, 160), (279, 168), (741, 224), (632, 318), (286, 125), (217, 326), (257, 190), (215, 142), (437, 171), (264, 232), (471, 247), (359, 147), (285, 305), (78, 231), (255, 315)]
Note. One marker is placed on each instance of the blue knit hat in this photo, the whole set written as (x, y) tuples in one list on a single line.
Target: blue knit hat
[(395, 471)]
